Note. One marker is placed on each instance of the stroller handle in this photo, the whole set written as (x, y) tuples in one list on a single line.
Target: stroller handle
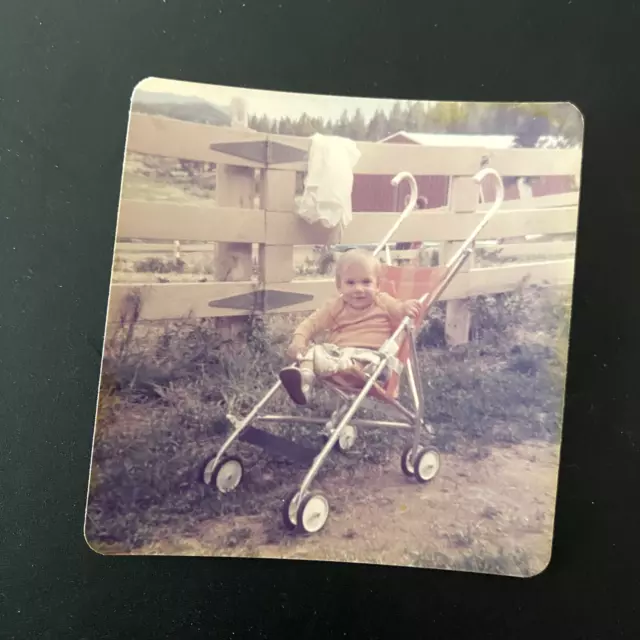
[(468, 243), (482, 174), (409, 207)]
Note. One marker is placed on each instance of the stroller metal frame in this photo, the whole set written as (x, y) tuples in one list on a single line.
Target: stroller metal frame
[(308, 512)]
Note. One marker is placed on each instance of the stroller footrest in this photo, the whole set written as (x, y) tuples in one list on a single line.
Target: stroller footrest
[(278, 445)]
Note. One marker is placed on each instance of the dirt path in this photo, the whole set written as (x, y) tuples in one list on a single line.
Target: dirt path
[(495, 513)]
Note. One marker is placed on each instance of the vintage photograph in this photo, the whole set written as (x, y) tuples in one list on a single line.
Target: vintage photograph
[(337, 329)]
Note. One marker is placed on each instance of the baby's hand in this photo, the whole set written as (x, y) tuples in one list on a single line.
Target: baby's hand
[(412, 308), (295, 350)]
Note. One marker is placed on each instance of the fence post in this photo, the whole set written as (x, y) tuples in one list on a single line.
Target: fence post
[(235, 187), (463, 198), (278, 189)]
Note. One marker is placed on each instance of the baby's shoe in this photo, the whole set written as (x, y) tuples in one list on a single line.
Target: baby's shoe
[(297, 383)]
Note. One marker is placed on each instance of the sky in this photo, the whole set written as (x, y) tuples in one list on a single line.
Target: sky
[(275, 104)]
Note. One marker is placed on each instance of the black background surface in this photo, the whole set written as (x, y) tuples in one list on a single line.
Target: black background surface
[(67, 69)]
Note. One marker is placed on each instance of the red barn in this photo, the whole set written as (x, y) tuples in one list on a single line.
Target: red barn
[(375, 193)]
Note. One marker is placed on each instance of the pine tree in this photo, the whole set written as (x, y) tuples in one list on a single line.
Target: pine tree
[(378, 127), (447, 117), (342, 127), (416, 118), (318, 125), (285, 126), (396, 119), (264, 124), (304, 127), (358, 126), (253, 122)]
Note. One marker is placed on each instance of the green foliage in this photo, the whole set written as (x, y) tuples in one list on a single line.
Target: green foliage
[(527, 122)]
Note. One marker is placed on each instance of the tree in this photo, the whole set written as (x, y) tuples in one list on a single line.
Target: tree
[(530, 129), (318, 125), (342, 127), (285, 126), (396, 119), (415, 117), (263, 124), (357, 127), (448, 117), (253, 122), (378, 127), (304, 126)]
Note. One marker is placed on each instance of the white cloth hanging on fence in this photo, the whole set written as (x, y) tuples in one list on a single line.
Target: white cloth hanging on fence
[(327, 191)]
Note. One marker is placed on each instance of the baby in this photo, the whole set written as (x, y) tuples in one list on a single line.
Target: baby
[(356, 323)]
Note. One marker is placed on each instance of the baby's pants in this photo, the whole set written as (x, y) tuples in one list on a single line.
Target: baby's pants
[(328, 359)]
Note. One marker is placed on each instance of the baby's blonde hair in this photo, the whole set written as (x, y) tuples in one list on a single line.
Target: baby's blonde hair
[(357, 256)]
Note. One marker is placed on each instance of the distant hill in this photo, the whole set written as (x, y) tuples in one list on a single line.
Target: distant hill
[(189, 108)]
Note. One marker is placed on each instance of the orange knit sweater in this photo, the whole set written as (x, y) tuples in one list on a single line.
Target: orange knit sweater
[(345, 326)]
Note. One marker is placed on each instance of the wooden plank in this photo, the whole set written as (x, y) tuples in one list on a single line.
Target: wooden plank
[(178, 300), (170, 301), (166, 221), (163, 221), (494, 280), (276, 263), (235, 187), (463, 201), (536, 162), (559, 200), (278, 190), (123, 247), (533, 249), (161, 136), (366, 228), (389, 159)]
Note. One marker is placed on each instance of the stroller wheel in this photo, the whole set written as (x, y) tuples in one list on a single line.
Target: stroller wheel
[(313, 513), (347, 438), (227, 475), (290, 510), (427, 465), (405, 461)]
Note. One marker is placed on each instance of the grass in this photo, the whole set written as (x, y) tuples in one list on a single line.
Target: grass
[(479, 559), (166, 390)]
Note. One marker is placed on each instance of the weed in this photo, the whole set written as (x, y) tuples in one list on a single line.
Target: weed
[(490, 512)]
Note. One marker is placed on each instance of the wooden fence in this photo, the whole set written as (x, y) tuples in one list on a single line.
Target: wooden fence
[(248, 212)]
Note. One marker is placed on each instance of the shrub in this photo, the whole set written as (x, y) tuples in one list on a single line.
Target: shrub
[(159, 265)]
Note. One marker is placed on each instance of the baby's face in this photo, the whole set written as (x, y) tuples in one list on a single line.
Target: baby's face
[(358, 284)]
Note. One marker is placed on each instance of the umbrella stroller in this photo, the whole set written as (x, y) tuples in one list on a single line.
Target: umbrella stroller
[(307, 511)]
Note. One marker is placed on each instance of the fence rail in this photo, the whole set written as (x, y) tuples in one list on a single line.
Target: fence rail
[(234, 222)]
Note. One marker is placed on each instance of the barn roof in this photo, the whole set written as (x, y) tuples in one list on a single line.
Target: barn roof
[(469, 140), (455, 140)]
